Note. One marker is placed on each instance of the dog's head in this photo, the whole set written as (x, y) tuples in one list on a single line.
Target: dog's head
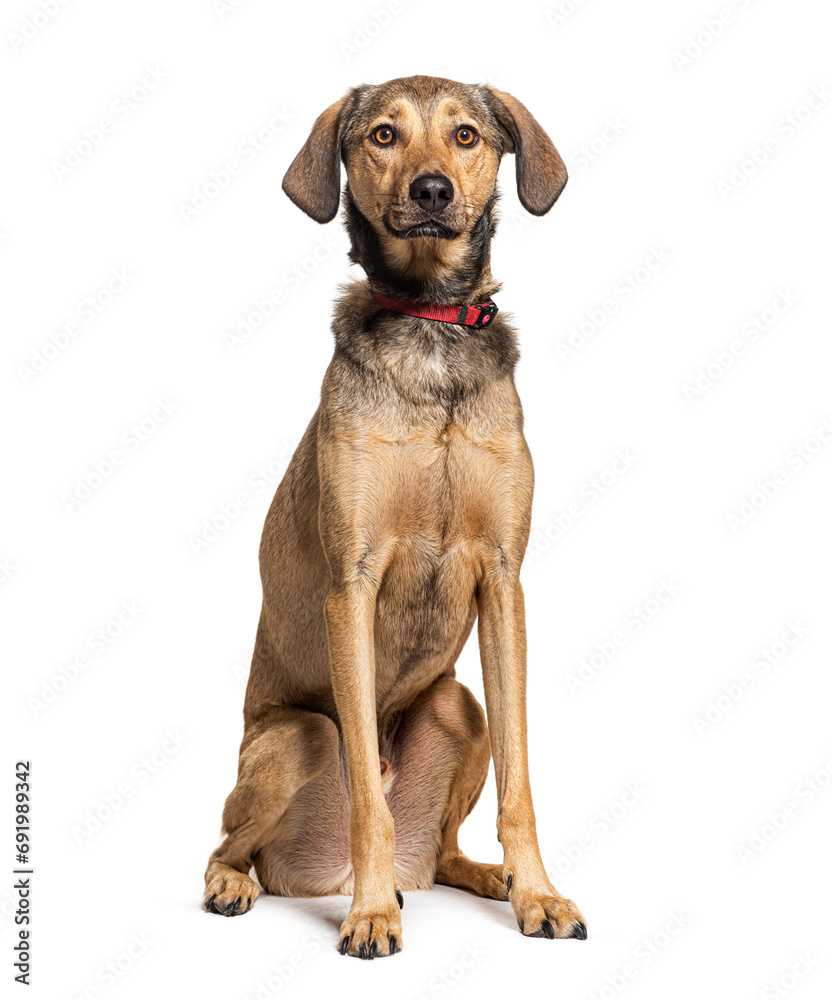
[(421, 155)]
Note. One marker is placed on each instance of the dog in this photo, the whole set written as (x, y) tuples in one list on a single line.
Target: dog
[(402, 518)]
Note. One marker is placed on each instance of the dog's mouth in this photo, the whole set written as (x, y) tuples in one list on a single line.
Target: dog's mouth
[(425, 227)]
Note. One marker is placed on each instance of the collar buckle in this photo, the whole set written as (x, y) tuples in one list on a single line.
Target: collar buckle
[(488, 310)]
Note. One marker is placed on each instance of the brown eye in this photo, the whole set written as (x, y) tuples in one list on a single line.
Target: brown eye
[(466, 136), (384, 135)]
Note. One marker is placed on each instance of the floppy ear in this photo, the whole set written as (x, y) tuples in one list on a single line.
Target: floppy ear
[(313, 181), (541, 173)]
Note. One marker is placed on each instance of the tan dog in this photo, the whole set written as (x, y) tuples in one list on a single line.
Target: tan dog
[(404, 514)]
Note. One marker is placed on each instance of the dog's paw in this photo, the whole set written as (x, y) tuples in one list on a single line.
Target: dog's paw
[(230, 895), (491, 883), (485, 880), (372, 932), (546, 914)]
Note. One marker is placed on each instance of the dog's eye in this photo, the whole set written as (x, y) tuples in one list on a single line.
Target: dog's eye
[(466, 136), (384, 135)]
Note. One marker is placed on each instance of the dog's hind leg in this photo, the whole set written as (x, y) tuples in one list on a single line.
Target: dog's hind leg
[(464, 718), (441, 755), (455, 868), (282, 752)]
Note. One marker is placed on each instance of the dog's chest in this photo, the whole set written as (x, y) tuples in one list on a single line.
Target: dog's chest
[(442, 501), (454, 505), (452, 487)]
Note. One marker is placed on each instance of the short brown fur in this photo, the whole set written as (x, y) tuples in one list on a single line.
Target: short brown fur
[(402, 518)]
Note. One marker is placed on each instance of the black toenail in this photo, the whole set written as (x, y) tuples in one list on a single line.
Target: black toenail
[(373, 950), (400, 899), (579, 931), (392, 945), (210, 902), (509, 880), (548, 930), (249, 905), (345, 943), (362, 951), (520, 925)]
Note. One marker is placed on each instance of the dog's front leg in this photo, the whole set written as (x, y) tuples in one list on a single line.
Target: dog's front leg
[(539, 907), (373, 925)]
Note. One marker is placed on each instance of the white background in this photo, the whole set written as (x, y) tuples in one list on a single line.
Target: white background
[(652, 182)]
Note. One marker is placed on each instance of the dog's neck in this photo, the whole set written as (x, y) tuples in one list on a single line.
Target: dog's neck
[(446, 272)]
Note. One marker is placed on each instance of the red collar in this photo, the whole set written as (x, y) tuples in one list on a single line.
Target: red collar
[(478, 315)]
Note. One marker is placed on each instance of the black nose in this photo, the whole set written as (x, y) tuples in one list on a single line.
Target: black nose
[(433, 193)]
